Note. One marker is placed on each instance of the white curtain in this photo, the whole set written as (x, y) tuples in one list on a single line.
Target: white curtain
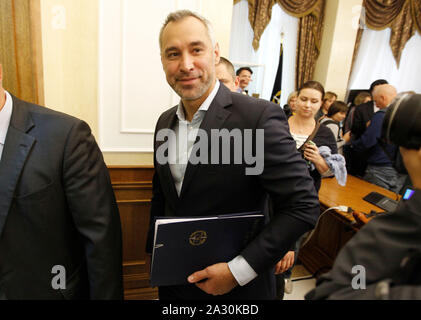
[(265, 61), (375, 61)]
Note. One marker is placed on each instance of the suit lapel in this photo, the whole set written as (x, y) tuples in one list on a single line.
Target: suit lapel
[(214, 119), (16, 149), (165, 169)]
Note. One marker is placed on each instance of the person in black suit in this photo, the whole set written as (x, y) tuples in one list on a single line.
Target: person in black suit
[(189, 54), (362, 116), (225, 73), (59, 222)]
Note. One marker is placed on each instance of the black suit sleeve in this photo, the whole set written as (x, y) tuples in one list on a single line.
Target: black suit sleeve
[(91, 201), (157, 210), (325, 137), (286, 179), (157, 201)]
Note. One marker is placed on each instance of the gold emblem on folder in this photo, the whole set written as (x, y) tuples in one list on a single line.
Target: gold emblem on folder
[(198, 238)]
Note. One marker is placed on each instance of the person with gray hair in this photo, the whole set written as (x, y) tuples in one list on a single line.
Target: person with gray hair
[(186, 188), (182, 14), (379, 169)]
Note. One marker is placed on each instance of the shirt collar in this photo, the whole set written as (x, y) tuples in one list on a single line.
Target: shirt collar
[(375, 107), (5, 116), (204, 107)]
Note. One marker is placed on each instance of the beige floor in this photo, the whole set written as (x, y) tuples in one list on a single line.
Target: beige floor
[(301, 283)]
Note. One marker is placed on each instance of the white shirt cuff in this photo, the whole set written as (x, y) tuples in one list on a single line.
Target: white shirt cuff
[(241, 270)]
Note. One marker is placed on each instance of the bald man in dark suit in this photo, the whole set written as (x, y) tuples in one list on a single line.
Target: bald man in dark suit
[(60, 233)]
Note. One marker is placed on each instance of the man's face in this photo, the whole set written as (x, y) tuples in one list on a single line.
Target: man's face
[(189, 59), (225, 77), (293, 103), (244, 78), (380, 101)]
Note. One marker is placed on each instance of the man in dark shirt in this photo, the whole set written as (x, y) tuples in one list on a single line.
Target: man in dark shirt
[(379, 166), (361, 117)]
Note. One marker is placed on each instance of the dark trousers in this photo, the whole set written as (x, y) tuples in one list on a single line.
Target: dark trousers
[(356, 162)]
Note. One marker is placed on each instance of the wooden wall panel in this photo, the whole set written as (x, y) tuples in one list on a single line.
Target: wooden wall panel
[(133, 190)]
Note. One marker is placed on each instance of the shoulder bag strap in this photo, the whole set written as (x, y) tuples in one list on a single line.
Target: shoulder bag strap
[(311, 136)]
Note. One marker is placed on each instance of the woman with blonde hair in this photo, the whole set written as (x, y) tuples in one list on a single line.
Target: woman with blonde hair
[(289, 108), (328, 99)]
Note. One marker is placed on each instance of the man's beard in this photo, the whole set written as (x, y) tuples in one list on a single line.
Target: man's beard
[(198, 91)]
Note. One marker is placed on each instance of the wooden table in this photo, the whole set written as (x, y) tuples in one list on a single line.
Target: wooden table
[(335, 227)]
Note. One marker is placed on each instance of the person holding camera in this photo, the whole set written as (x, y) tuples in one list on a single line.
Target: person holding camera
[(382, 261)]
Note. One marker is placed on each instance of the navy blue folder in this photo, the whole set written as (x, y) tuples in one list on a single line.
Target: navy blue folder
[(182, 247)]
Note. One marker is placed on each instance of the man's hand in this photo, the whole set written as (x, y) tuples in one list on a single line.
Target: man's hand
[(216, 279), (347, 136), (285, 263)]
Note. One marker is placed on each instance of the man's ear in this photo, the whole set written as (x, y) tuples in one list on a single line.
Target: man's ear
[(237, 81), (217, 53), (384, 99)]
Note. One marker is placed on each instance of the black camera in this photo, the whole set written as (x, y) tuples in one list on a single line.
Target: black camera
[(402, 122), (402, 127)]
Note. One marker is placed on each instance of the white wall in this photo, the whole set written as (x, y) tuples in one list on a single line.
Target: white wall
[(337, 46), (133, 91), (70, 54)]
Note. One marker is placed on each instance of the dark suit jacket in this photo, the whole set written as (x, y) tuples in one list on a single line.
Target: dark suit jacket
[(218, 189), (57, 207), (357, 160), (362, 114)]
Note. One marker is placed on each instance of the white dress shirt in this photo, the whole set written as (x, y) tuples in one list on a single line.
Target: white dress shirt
[(5, 115), (186, 133), (375, 108), (299, 139)]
